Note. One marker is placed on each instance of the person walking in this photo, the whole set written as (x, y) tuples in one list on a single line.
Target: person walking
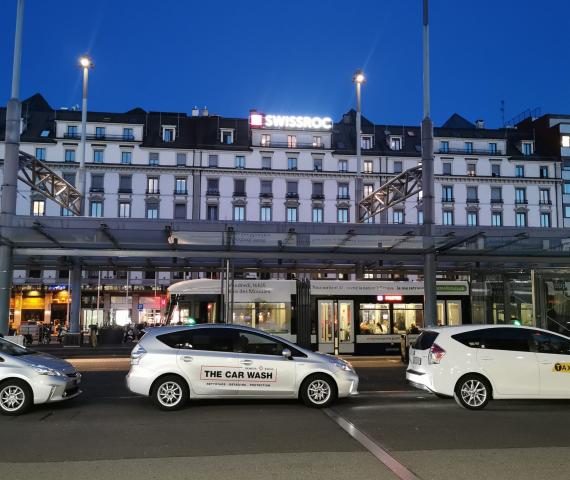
[(93, 335)]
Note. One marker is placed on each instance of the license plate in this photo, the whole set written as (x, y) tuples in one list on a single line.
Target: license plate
[(417, 361)]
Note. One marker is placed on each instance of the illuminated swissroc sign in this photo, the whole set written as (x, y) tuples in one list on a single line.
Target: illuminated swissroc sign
[(260, 120)]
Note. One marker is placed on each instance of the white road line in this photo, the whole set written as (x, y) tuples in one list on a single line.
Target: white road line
[(400, 470)]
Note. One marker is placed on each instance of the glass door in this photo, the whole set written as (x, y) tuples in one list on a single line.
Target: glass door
[(449, 312), (453, 312), (329, 313)]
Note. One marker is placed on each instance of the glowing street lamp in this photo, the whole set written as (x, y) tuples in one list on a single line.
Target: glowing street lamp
[(86, 63)]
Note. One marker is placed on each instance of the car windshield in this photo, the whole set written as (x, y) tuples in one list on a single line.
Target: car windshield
[(12, 349)]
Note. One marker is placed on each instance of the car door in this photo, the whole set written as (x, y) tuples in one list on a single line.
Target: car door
[(553, 353), (264, 371), (208, 361), (506, 358)]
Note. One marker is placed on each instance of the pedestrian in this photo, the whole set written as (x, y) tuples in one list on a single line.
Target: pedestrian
[(93, 328)]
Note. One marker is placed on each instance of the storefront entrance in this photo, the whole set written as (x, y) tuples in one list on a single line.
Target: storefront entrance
[(449, 312), (331, 313)]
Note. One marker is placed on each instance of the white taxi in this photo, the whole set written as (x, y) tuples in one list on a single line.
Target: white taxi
[(29, 378), (175, 364), (477, 363)]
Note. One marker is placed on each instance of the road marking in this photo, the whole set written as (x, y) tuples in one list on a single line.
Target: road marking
[(400, 470)]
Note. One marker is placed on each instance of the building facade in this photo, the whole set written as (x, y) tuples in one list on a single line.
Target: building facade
[(270, 168)]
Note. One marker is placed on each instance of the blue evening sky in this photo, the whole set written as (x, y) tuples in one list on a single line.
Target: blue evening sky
[(295, 56)]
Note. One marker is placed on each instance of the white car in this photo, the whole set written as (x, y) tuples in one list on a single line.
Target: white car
[(28, 377), (477, 363), (175, 364)]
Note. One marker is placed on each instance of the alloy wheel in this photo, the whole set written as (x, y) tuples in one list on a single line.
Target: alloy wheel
[(169, 394), (319, 391), (474, 393), (12, 397)]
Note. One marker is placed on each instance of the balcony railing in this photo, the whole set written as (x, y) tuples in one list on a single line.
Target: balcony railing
[(292, 195), (472, 200), (94, 136), (496, 200), (291, 145), (266, 195), (545, 202), (239, 193), (180, 192), (469, 151), (318, 196), (521, 201), (125, 190), (153, 191), (97, 190), (213, 192), (343, 196), (448, 199)]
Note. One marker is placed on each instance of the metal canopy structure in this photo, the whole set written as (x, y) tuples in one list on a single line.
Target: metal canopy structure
[(42, 179), (56, 242), (393, 192)]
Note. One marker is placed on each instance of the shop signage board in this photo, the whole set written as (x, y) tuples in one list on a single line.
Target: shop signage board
[(373, 288), (297, 122), (245, 291), (265, 239), (379, 339)]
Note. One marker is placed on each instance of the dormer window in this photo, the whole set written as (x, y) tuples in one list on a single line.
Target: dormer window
[(366, 142), (527, 148), (71, 131), (168, 134), (395, 143), (227, 136)]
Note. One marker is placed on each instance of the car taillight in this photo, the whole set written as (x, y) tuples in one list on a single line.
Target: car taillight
[(136, 355), (436, 353)]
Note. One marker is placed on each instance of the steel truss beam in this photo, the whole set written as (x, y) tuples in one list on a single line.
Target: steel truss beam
[(393, 192), (42, 179)]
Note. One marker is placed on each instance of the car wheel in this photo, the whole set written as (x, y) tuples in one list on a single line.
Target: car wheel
[(170, 393), (15, 397), (318, 391), (472, 392)]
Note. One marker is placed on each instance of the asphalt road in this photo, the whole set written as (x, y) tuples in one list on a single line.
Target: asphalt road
[(109, 433)]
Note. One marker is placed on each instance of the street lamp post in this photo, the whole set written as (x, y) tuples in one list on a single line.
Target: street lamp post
[(75, 315), (86, 63), (10, 174), (428, 200), (358, 78)]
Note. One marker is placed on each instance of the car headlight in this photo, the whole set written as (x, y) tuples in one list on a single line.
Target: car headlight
[(342, 364), (43, 370)]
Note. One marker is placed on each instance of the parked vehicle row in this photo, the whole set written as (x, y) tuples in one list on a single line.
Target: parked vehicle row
[(172, 365)]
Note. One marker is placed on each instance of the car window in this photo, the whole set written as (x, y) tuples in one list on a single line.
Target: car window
[(12, 349), (180, 339), (258, 344), (214, 339), (543, 342), (472, 339), (509, 338), (425, 340), (249, 342)]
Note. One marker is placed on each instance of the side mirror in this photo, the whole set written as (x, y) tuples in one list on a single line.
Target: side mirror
[(1, 359), (287, 354)]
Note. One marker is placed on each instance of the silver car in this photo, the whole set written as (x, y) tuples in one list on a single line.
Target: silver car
[(175, 364), (28, 377)]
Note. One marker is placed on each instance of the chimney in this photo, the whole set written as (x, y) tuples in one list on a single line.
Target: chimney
[(195, 111), (480, 123), (204, 112)]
